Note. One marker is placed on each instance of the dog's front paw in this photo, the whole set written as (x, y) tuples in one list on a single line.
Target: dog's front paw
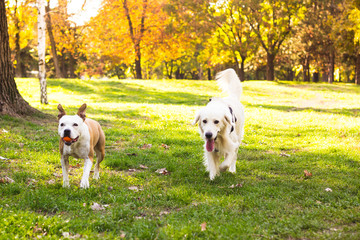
[(223, 167), (232, 169), (96, 175), (66, 184), (84, 183)]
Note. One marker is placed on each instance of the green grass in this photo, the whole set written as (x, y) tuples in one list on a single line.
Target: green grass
[(290, 127)]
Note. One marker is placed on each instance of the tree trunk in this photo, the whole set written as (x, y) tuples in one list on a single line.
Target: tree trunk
[(41, 50), (72, 62), (58, 73), (242, 69), (331, 66), (316, 77), (11, 102), (357, 69), (270, 72), (138, 61), (17, 42), (306, 70), (209, 73)]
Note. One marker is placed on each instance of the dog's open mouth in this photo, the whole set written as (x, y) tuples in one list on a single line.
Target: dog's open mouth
[(68, 141), (210, 145)]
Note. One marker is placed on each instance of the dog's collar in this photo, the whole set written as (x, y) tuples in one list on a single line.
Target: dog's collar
[(233, 119)]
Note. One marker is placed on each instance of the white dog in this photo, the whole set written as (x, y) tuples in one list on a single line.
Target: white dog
[(79, 138), (221, 125)]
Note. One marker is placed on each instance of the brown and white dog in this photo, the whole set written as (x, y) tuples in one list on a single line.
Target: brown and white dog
[(79, 138), (221, 125)]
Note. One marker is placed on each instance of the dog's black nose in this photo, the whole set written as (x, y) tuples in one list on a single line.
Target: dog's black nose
[(67, 133), (208, 135)]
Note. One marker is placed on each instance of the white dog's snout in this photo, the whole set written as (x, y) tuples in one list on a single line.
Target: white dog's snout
[(67, 133)]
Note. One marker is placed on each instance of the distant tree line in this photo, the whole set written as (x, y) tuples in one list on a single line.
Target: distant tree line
[(302, 40)]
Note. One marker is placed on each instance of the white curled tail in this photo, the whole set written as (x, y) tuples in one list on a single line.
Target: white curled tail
[(229, 82)]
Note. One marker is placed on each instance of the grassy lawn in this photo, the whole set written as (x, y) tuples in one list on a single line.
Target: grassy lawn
[(290, 128)]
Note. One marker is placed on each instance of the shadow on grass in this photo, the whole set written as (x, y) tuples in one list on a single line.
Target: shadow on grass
[(113, 91), (353, 112), (344, 88)]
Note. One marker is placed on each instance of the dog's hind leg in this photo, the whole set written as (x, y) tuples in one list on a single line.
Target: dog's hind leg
[(99, 157), (229, 159), (65, 170)]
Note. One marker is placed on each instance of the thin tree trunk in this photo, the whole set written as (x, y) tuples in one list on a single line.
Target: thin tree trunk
[(138, 61), (41, 50), (270, 72), (242, 69), (11, 102), (58, 73), (136, 39), (357, 69), (17, 42), (209, 73), (331, 66)]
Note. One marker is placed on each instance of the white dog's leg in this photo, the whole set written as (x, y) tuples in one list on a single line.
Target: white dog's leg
[(65, 169), (213, 164), (229, 158), (232, 168), (85, 178)]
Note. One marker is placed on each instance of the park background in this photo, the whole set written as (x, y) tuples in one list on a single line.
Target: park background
[(298, 167)]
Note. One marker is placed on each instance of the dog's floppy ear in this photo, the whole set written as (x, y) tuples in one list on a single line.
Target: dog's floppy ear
[(81, 111), (61, 112), (197, 117), (229, 119)]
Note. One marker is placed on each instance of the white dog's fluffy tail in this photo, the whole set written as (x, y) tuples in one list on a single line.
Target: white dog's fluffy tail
[(229, 82)]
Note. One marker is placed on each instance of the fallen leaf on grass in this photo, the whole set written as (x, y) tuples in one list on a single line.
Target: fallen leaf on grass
[(328, 189), (285, 154), (237, 185), (165, 146), (132, 170), (5, 131), (75, 166), (164, 213), (2, 158), (131, 154), (203, 226), (162, 171), (307, 174), (31, 181), (6, 179), (97, 207), (37, 229), (57, 175), (146, 146), (134, 188), (51, 181), (143, 166)]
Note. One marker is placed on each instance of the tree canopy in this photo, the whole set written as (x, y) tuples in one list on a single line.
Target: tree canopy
[(308, 40)]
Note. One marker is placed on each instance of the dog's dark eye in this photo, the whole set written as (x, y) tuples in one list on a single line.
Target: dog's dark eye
[(204, 121), (75, 124), (62, 124), (216, 121)]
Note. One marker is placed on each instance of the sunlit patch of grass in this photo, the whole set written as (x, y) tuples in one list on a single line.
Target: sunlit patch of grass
[(290, 127)]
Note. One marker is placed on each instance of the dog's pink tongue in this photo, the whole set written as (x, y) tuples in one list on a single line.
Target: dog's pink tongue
[(210, 145)]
